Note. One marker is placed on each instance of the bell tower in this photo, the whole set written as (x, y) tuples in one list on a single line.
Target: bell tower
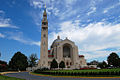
[(44, 42)]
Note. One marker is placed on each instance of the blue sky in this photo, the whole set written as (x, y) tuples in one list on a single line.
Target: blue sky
[(94, 26)]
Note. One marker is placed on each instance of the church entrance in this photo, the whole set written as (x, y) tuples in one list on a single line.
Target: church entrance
[(67, 50)]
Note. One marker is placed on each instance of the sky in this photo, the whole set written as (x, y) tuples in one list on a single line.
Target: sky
[(94, 26)]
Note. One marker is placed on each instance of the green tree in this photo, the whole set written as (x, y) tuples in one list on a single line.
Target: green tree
[(113, 59), (32, 60), (62, 64), (54, 64), (102, 64), (3, 66), (18, 62), (105, 65)]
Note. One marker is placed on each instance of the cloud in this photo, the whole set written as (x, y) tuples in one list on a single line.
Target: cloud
[(5, 22), (36, 43), (37, 4), (1, 11), (18, 36), (91, 39), (70, 12), (69, 3), (111, 7), (92, 7), (2, 35), (55, 7), (96, 54)]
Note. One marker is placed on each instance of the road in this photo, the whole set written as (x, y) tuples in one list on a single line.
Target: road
[(27, 76)]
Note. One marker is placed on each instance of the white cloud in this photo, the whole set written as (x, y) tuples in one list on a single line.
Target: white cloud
[(111, 7), (2, 35), (36, 43), (5, 22), (37, 4), (19, 37), (93, 38), (69, 3), (68, 13), (92, 7), (1, 11), (96, 54), (52, 7), (55, 11)]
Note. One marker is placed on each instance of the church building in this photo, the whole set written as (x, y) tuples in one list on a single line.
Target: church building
[(61, 50)]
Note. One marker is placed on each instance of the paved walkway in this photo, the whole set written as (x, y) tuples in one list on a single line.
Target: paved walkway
[(27, 76)]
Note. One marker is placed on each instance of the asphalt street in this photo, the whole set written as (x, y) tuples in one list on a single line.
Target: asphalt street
[(27, 76)]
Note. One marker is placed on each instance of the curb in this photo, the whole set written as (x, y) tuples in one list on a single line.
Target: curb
[(67, 76), (3, 73)]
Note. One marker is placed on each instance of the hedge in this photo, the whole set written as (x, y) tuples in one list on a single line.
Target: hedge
[(113, 73)]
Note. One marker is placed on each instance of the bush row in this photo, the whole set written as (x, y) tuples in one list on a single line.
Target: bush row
[(80, 73), (41, 70)]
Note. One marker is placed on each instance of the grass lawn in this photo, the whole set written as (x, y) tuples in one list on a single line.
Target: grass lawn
[(8, 78)]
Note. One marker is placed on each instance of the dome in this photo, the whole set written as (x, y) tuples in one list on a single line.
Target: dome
[(56, 41)]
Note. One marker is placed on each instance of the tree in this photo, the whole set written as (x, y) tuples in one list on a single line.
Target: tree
[(102, 64), (113, 60), (3, 66), (62, 64), (94, 62), (32, 60), (54, 64), (18, 62)]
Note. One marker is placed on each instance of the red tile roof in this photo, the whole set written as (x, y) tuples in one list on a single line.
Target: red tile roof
[(50, 55), (81, 55)]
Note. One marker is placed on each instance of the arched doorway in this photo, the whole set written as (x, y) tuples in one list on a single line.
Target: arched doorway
[(67, 50)]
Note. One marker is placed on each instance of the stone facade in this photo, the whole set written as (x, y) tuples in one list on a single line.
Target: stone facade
[(61, 50), (67, 51), (43, 62)]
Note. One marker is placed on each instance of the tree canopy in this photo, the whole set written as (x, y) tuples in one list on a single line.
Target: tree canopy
[(18, 62), (113, 59), (62, 64), (3, 66), (54, 64), (102, 64), (32, 60)]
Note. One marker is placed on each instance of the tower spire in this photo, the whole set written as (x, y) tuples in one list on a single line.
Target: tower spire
[(45, 5), (44, 42), (45, 9)]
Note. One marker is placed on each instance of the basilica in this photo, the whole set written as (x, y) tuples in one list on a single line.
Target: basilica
[(61, 50)]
